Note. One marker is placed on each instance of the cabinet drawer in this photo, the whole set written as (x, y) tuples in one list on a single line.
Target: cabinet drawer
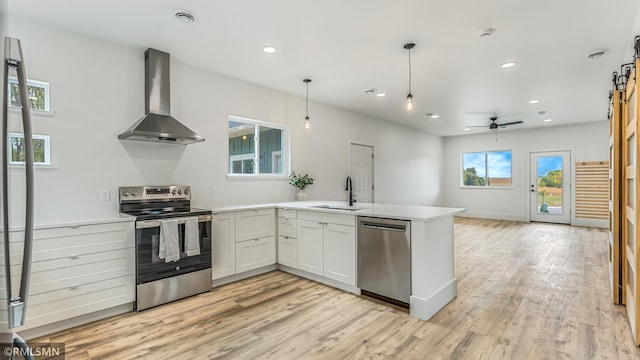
[(329, 218), (67, 303), (286, 227), (254, 224), (253, 254), (287, 213), (57, 274), (63, 242), (287, 251)]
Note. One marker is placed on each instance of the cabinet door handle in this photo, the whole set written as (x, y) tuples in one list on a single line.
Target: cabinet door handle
[(74, 257), (74, 288)]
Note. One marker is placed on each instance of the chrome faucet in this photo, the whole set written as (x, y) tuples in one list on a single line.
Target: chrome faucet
[(349, 188)]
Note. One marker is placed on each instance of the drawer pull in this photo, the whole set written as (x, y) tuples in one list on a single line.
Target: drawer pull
[(74, 227), (74, 288), (74, 257)]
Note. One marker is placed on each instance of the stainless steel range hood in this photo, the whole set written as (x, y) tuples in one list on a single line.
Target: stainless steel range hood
[(157, 124)]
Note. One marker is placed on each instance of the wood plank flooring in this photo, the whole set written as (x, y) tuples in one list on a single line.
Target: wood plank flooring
[(525, 291)]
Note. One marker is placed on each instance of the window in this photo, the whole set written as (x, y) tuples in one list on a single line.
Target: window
[(490, 168), (38, 94), (41, 152), (257, 148)]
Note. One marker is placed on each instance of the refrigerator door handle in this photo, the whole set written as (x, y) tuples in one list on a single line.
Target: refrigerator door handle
[(13, 59)]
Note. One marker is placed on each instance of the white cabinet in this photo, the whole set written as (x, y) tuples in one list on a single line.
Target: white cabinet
[(75, 270), (287, 251), (243, 241), (255, 224), (309, 246), (340, 253), (223, 247), (256, 253), (326, 245), (287, 238)]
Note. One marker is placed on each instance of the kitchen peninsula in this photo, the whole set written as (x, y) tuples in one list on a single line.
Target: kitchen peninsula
[(317, 240)]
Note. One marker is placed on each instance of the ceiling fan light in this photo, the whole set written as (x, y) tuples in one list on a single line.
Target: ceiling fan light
[(409, 102)]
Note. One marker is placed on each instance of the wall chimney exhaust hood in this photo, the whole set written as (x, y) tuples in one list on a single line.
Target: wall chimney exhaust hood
[(157, 124)]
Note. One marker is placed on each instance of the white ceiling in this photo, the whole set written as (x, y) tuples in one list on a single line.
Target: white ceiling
[(346, 46)]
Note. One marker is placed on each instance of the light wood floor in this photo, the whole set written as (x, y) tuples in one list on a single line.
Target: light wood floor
[(525, 291)]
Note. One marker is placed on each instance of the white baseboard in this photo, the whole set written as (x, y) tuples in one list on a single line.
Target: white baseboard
[(493, 216), (244, 275), (425, 308), (590, 223), (321, 279)]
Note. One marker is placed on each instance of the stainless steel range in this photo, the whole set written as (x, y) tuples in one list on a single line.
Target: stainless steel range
[(173, 243)]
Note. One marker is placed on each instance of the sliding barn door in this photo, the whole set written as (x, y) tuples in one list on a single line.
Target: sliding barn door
[(630, 194), (615, 177)]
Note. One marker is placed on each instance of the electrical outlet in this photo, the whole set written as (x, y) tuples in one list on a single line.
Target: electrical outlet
[(212, 192), (105, 194)]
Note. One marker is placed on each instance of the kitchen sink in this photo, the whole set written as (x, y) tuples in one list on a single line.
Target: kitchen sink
[(336, 207)]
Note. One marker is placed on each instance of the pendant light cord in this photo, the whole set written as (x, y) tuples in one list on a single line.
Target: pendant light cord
[(409, 70), (307, 102)]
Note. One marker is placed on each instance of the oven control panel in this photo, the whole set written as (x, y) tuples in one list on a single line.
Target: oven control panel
[(141, 193)]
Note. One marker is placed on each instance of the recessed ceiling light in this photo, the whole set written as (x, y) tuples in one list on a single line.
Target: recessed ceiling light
[(435, 116), (269, 49), (597, 54), (508, 65), (381, 94), (467, 129), (534, 101), (547, 120), (185, 16)]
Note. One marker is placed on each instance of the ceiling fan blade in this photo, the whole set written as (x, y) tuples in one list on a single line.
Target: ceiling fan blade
[(511, 123)]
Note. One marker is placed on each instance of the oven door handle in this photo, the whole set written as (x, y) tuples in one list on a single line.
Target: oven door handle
[(156, 223)]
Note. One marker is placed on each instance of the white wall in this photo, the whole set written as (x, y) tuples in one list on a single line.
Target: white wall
[(97, 92), (588, 142)]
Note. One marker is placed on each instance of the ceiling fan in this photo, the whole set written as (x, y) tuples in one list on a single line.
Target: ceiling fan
[(494, 126)]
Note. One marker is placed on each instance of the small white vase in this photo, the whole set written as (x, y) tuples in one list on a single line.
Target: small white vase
[(301, 195)]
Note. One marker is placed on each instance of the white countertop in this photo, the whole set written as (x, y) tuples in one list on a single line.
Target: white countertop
[(393, 211)]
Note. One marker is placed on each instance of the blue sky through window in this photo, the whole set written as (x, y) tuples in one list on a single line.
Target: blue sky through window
[(549, 163), (499, 163)]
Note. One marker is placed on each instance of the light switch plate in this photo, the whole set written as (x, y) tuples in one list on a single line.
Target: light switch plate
[(105, 194)]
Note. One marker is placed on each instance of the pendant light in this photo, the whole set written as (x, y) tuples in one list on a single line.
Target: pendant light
[(306, 118), (409, 46)]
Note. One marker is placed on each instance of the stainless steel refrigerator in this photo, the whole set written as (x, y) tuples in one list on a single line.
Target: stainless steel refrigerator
[(17, 303)]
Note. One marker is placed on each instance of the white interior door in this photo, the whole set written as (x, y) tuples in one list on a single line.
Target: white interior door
[(362, 172), (550, 187)]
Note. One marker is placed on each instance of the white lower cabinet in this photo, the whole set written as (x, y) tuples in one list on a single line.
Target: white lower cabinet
[(223, 247), (310, 246), (287, 251), (254, 254), (75, 270), (242, 241), (340, 253), (327, 248)]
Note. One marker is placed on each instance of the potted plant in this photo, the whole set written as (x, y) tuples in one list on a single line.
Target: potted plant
[(300, 182)]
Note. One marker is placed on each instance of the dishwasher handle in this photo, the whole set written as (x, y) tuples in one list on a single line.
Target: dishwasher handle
[(385, 227)]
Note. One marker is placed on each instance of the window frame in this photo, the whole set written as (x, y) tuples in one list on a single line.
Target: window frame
[(33, 83), (285, 150), (486, 170), (47, 149)]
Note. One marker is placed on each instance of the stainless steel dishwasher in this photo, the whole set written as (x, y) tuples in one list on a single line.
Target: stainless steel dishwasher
[(384, 259)]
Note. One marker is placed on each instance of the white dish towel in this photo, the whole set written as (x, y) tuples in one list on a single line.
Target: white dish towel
[(169, 247), (191, 236)]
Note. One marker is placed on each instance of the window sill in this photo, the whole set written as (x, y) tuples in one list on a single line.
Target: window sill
[(487, 187), (40, 113), (36, 167), (257, 177)]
